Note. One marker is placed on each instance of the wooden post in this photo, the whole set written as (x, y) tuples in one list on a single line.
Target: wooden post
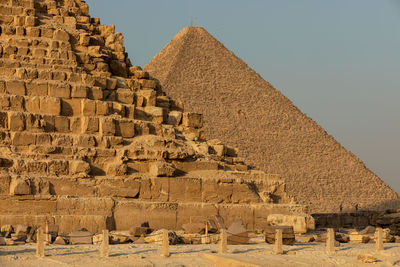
[(104, 247), (165, 244), (47, 235), (278, 242), (223, 242), (330, 241), (379, 239), (39, 243)]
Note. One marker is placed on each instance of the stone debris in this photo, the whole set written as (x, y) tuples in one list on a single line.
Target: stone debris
[(194, 228), (80, 237), (263, 124), (288, 236), (237, 234), (60, 241), (366, 258)]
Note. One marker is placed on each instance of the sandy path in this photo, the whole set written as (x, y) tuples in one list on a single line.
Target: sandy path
[(312, 254)]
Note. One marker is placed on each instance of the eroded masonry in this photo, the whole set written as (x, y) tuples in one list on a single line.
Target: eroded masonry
[(88, 140)]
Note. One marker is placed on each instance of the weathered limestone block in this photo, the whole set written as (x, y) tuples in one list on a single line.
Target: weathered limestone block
[(23, 138), (125, 96), (15, 87), (16, 121), (71, 107), (149, 97), (158, 215), (50, 105), (299, 223), (88, 107), (193, 120), (128, 188), (58, 167), (107, 126), (150, 84), (79, 91), (32, 104), (185, 189), (111, 83), (59, 90), (117, 169), (125, 128), (79, 168), (32, 31), (156, 113), (61, 35), (174, 118), (85, 141), (30, 21), (81, 237), (102, 108), (61, 124), (20, 186), (160, 168), (140, 74), (90, 124), (17, 102)]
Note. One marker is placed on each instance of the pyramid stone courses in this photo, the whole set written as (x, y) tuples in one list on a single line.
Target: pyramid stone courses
[(245, 111), (88, 140)]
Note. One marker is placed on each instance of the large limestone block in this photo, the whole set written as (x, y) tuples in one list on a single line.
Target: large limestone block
[(231, 213), (50, 105), (125, 128), (159, 215), (71, 107), (20, 186), (16, 121), (160, 168), (193, 120), (300, 223), (195, 212), (174, 117), (127, 188), (15, 87), (107, 126), (79, 168), (23, 139), (185, 190), (61, 35)]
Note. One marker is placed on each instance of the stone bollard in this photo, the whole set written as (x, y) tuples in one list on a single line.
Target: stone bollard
[(223, 242), (39, 243), (330, 241), (165, 244), (379, 239), (105, 246), (47, 235), (278, 242)]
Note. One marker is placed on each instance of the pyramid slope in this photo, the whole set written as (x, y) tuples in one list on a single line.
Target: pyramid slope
[(245, 111)]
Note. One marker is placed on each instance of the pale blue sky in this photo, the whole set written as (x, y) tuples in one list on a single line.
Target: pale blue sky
[(337, 60)]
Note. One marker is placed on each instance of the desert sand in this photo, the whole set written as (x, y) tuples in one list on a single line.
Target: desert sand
[(258, 254)]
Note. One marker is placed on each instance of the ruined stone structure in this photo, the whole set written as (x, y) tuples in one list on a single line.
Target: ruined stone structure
[(244, 110), (88, 140)]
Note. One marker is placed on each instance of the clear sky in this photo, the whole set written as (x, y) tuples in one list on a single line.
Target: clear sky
[(337, 60)]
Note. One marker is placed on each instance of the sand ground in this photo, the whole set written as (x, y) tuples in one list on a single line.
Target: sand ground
[(308, 254)]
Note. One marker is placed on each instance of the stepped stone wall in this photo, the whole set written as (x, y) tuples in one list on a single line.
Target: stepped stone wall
[(88, 140), (244, 110)]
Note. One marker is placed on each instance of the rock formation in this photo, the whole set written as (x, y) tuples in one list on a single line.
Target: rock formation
[(245, 111), (88, 140)]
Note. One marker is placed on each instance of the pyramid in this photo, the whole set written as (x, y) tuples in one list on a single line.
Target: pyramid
[(244, 110), (89, 141)]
